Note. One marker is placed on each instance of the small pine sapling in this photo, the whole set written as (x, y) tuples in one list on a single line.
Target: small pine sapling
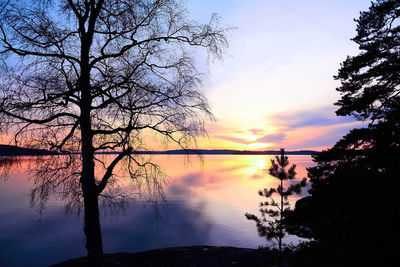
[(271, 224)]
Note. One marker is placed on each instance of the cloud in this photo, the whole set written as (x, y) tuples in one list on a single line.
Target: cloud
[(233, 139), (320, 120), (301, 129), (323, 116), (270, 138), (256, 131), (313, 128), (329, 136)]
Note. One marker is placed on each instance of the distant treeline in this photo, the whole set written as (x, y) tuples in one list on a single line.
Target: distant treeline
[(222, 152), (7, 150)]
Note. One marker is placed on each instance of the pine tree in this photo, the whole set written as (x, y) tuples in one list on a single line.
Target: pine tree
[(271, 224), (352, 211)]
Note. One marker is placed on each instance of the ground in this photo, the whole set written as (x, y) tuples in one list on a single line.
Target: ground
[(186, 256)]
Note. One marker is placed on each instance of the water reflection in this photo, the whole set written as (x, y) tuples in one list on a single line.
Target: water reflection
[(205, 206)]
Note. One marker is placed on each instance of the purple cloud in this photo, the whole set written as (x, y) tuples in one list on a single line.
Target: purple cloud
[(271, 138), (324, 116), (265, 139)]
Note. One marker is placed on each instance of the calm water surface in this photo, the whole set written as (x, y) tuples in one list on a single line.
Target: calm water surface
[(205, 206)]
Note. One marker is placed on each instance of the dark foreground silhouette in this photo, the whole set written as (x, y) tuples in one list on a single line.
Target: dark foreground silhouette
[(352, 211), (186, 256)]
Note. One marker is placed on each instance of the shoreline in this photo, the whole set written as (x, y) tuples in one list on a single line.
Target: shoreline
[(185, 256)]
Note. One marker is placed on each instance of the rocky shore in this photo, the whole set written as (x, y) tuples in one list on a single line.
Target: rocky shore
[(185, 256)]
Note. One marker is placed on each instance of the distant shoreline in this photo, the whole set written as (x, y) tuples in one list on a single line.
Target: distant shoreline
[(219, 152), (9, 151), (14, 151)]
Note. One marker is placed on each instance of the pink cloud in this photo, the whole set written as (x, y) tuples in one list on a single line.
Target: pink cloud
[(234, 139)]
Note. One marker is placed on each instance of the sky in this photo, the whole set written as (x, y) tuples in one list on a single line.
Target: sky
[(275, 86)]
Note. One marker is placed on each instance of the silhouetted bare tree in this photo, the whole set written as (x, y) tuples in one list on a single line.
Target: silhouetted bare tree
[(91, 75)]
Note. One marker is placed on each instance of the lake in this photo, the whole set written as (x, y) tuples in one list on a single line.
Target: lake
[(205, 205)]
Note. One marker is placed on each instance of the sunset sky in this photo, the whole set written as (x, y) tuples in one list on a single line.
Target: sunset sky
[(275, 87)]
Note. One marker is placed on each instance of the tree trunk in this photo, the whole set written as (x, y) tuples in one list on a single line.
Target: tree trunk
[(92, 228), (89, 188), (93, 231), (90, 193), (280, 253), (90, 196)]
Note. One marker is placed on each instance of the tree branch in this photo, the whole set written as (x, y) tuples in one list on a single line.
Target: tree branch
[(110, 168)]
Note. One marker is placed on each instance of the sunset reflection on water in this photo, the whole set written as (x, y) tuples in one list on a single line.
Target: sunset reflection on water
[(205, 205)]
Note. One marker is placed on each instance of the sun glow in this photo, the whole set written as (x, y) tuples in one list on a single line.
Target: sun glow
[(262, 163), (259, 146)]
